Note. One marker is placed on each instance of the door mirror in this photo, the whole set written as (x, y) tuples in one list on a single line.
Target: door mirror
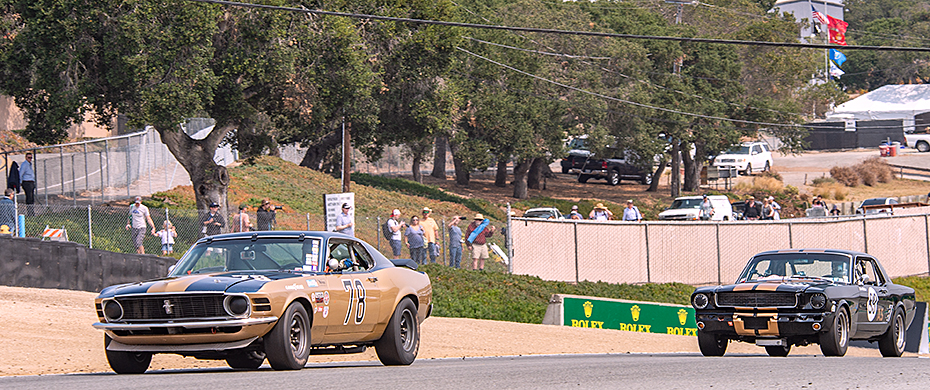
[(866, 279)]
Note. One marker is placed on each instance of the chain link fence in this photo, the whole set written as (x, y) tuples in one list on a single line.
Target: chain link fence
[(707, 252)]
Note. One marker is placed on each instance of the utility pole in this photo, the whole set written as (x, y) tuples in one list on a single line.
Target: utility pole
[(346, 155)]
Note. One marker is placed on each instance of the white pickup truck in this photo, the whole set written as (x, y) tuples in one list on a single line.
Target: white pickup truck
[(921, 142)]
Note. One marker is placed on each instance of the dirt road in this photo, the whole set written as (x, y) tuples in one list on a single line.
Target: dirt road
[(49, 332)]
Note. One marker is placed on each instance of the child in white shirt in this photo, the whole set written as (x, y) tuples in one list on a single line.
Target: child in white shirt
[(167, 235)]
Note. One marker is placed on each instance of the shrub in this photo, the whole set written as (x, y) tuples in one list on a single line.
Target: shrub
[(823, 180), (767, 183), (773, 174), (845, 175), (882, 171), (866, 176)]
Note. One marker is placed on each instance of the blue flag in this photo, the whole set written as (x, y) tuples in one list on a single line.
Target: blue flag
[(837, 57)]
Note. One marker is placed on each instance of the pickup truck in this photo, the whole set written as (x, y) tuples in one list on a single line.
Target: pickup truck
[(612, 169), (921, 142)]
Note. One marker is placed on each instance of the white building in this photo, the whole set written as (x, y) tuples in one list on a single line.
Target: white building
[(802, 10)]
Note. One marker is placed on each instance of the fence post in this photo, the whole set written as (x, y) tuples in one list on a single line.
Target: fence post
[(100, 157), (575, 226), (61, 168), (719, 271), (648, 268), (790, 236), (379, 233), (865, 235), (507, 240), (106, 150), (86, 178), (442, 235), (90, 229), (73, 183), (308, 222), (927, 236), (128, 166)]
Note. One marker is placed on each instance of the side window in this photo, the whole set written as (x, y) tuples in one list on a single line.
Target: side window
[(339, 251), (362, 257), (867, 266), (756, 149)]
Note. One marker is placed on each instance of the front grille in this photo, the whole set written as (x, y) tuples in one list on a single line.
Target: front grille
[(757, 299), (727, 160), (172, 307)]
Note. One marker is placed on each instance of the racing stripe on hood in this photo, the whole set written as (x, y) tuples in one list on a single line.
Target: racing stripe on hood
[(175, 285), (767, 286), (744, 286)]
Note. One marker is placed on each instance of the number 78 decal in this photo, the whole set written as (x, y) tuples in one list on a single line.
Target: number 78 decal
[(356, 300)]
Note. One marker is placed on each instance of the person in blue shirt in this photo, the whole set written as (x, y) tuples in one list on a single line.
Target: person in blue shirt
[(27, 178), (8, 211), (344, 222)]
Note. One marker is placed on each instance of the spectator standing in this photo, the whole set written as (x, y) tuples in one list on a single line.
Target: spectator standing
[(631, 212), (415, 241), (8, 210), (241, 221), (397, 234), (753, 209), (600, 213), (575, 214), (707, 209), (455, 242), (265, 217), (344, 222), (27, 177), (478, 245), (776, 208), (818, 202), (431, 232), (212, 222), (167, 235), (767, 212), (138, 216), (835, 211)]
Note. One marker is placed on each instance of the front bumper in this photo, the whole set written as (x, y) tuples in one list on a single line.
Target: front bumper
[(590, 172), (740, 166), (763, 324), (185, 325)]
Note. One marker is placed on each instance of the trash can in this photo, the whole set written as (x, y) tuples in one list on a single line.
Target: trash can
[(894, 148), (884, 150)]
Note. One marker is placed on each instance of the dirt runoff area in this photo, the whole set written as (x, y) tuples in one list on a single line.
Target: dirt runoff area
[(46, 331)]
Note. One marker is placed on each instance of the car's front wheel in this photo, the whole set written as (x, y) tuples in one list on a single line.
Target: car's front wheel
[(923, 146), (834, 341), (247, 360), (401, 340), (748, 170), (613, 178), (892, 342), (126, 362), (711, 344), (287, 346), (777, 350), (646, 179), (583, 178)]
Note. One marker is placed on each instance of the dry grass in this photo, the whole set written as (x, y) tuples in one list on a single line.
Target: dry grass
[(845, 175), (831, 191), (869, 172)]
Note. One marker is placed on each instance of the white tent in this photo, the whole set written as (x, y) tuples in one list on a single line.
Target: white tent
[(888, 102)]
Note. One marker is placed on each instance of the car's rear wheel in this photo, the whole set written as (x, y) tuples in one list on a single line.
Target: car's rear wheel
[(777, 350), (401, 340), (748, 170), (711, 344), (287, 346), (923, 146), (613, 178), (583, 178), (247, 360), (126, 362), (767, 167), (646, 179), (892, 342), (564, 170), (835, 341)]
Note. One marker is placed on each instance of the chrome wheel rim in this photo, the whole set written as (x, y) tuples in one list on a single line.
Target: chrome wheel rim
[(898, 332), (297, 334), (842, 329), (407, 331)]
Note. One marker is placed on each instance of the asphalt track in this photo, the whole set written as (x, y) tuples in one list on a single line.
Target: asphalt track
[(619, 371)]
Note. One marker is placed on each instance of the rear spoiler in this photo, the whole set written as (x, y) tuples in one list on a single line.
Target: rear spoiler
[(405, 263)]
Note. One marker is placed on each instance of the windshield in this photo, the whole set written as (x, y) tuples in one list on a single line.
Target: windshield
[(276, 253), (577, 143), (873, 201), (539, 214), (686, 204), (778, 267), (738, 150)]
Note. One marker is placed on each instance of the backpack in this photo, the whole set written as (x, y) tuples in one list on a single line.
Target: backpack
[(386, 229)]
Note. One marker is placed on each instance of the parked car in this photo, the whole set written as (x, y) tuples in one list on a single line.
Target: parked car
[(805, 296), (873, 205), (918, 141), (613, 169), (577, 147), (544, 213), (747, 158), (738, 208), (280, 295), (688, 208)]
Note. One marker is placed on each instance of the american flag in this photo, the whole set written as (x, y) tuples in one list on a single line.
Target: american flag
[(819, 16)]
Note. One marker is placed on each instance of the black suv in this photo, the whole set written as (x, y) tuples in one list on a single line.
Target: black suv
[(611, 169)]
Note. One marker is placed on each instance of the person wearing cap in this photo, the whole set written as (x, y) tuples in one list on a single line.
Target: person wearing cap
[(265, 217), (776, 208), (753, 209), (138, 216), (707, 209), (575, 214), (600, 213), (479, 247), (212, 222), (455, 242), (396, 225), (430, 232), (241, 221), (344, 222), (631, 212)]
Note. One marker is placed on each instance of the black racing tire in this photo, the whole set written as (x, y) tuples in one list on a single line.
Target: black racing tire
[(778, 351), (401, 340), (835, 341), (287, 346), (711, 344), (923, 146), (892, 343), (126, 362), (613, 178), (246, 360), (583, 178)]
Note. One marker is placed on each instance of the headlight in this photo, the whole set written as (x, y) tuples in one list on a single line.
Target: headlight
[(236, 305), (700, 301), (112, 310), (818, 301)]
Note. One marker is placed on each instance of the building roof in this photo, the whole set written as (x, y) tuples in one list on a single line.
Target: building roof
[(888, 102)]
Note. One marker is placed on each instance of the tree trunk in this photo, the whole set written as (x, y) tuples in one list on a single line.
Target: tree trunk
[(439, 158), (210, 180), (519, 180), (654, 186), (688, 163), (500, 178), (318, 151), (415, 168), (693, 167), (676, 169), (462, 176), (537, 170)]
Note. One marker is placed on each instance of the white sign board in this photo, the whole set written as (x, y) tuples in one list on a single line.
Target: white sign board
[(332, 203)]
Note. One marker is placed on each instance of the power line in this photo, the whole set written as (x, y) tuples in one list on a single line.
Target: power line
[(563, 32)]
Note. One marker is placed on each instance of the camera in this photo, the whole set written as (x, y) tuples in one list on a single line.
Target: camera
[(463, 218), (278, 207)]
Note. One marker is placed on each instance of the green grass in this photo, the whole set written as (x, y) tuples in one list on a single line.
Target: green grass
[(521, 298), (920, 284)]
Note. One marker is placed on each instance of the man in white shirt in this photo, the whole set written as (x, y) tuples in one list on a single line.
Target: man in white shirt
[(397, 235), (138, 216), (344, 222), (631, 212)]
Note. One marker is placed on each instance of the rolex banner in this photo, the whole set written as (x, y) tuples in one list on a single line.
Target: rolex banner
[(589, 312)]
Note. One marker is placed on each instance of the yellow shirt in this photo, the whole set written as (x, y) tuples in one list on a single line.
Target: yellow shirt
[(430, 228)]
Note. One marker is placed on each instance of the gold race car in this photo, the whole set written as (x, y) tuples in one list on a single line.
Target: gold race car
[(280, 295)]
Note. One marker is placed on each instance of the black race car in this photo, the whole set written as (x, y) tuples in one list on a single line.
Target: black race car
[(805, 296)]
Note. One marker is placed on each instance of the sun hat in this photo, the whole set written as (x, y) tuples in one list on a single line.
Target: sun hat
[(600, 206), (575, 207), (479, 216), (427, 210)]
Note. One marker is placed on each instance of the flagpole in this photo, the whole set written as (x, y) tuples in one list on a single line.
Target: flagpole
[(826, 52)]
